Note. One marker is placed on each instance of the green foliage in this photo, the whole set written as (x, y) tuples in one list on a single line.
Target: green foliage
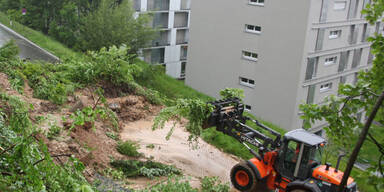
[(54, 131), (173, 184), (114, 174), (213, 184), (8, 51), (226, 143), (112, 135), (8, 63), (231, 93), (180, 184), (151, 146), (128, 148), (39, 38), (24, 159), (195, 110), (150, 169), (153, 77), (87, 115), (340, 112), (114, 24)]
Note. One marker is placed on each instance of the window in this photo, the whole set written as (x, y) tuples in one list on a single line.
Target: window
[(334, 34), (325, 87), (339, 5), (247, 82), (253, 29), (248, 107), (182, 70), (250, 56), (330, 60), (256, 2)]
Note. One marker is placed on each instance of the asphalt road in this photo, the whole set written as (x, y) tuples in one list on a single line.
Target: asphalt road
[(27, 50)]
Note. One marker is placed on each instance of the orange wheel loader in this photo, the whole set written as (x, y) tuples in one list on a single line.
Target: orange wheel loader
[(291, 163)]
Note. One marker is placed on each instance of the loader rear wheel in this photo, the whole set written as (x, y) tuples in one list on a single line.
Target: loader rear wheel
[(298, 190), (243, 178)]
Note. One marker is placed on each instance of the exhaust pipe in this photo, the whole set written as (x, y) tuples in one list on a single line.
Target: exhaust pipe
[(338, 162)]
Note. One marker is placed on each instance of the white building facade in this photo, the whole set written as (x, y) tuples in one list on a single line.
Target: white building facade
[(170, 48), (281, 53)]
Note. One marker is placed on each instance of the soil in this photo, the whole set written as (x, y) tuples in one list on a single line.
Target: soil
[(206, 160), (95, 149)]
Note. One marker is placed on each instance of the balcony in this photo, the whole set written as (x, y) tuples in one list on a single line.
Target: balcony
[(162, 39), (183, 53), (182, 36), (154, 56), (160, 20), (181, 19), (185, 5), (158, 5), (137, 5)]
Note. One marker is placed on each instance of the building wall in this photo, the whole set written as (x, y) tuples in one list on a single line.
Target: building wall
[(175, 14), (292, 33), (333, 20), (218, 37)]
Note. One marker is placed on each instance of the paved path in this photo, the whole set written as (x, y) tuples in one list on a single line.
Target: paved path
[(28, 50)]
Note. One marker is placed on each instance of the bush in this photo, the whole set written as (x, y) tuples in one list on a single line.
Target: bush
[(53, 132), (150, 169), (128, 148), (213, 184), (172, 185)]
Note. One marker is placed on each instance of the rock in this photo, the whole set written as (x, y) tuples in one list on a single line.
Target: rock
[(115, 106)]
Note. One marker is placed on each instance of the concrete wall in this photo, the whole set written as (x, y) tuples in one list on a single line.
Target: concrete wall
[(218, 38)]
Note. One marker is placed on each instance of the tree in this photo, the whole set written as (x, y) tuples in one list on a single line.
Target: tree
[(344, 127), (115, 24)]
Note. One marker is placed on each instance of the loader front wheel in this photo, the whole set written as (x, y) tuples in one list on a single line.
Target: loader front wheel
[(243, 178)]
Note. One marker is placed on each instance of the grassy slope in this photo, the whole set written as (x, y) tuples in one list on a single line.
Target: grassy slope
[(173, 89), (40, 39)]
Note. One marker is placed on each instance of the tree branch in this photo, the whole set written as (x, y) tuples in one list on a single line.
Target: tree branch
[(380, 146), (41, 160), (362, 137)]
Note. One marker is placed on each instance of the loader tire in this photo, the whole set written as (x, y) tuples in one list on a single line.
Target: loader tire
[(243, 178), (298, 190)]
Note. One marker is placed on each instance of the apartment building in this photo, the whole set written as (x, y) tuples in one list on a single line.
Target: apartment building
[(281, 53), (170, 48)]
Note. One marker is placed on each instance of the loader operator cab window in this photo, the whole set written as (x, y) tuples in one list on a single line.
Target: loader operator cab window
[(299, 159), (291, 157)]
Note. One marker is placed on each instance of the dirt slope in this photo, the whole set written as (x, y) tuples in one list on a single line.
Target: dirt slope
[(206, 160)]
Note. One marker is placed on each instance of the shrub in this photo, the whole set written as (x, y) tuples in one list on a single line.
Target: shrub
[(53, 132), (128, 148), (173, 184), (213, 184), (150, 169)]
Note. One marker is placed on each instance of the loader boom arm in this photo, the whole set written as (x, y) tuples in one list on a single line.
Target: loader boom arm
[(228, 118)]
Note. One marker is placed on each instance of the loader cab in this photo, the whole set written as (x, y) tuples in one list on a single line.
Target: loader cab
[(300, 152)]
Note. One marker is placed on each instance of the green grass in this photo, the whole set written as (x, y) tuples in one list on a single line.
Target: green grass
[(40, 39), (154, 78)]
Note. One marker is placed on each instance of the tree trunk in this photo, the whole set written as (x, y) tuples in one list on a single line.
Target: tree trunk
[(360, 142)]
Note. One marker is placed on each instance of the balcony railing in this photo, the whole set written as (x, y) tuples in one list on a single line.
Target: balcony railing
[(160, 20), (181, 19), (158, 5)]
